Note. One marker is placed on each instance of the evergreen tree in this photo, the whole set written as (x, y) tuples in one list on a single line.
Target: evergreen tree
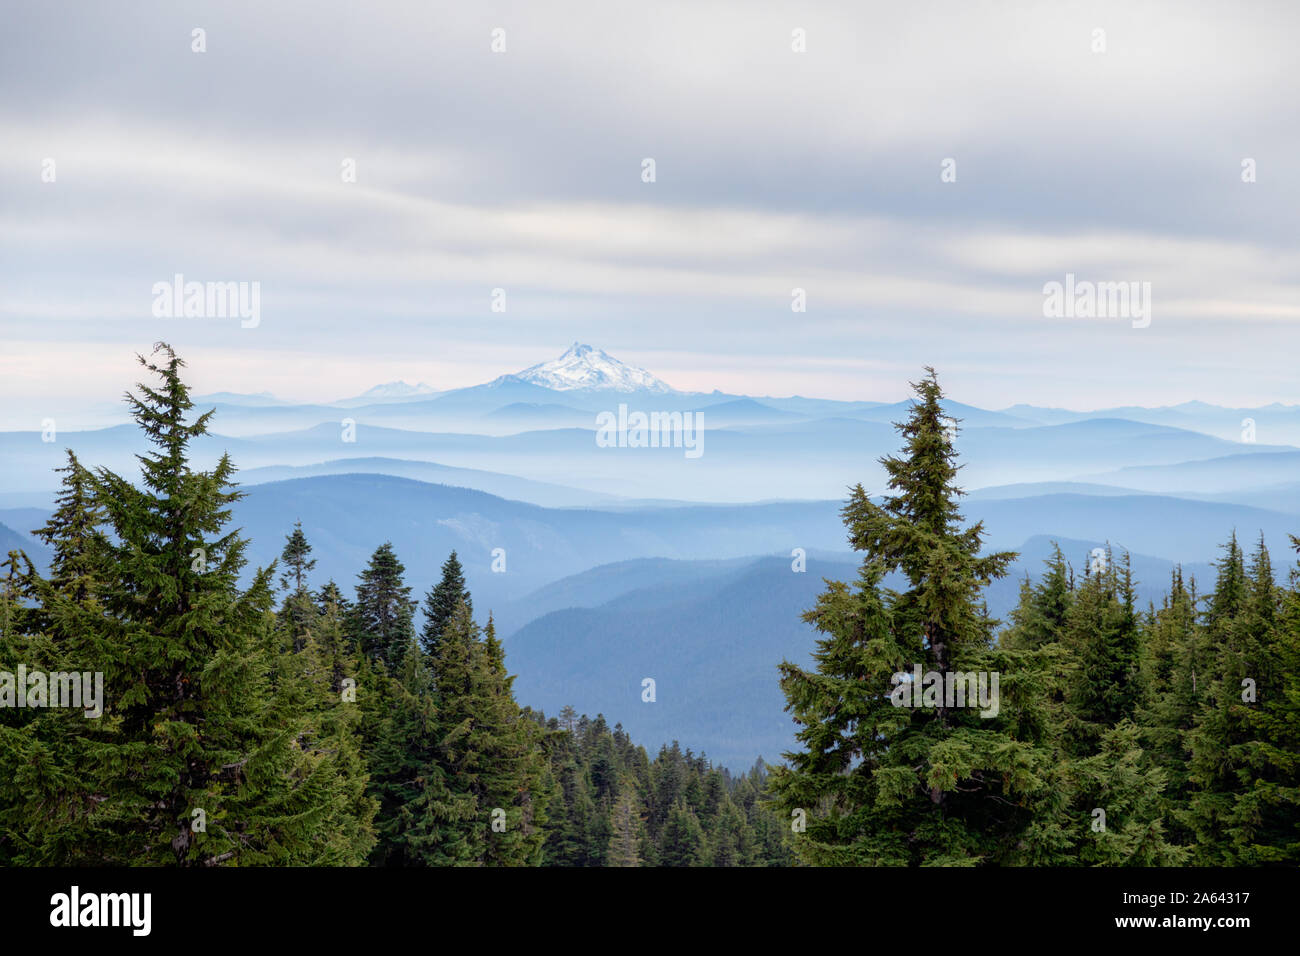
[(421, 820), (884, 784), (33, 774), (1040, 617), (487, 747), (1271, 802), (384, 610), (328, 740), (1237, 810), (626, 831), (569, 838), (441, 602), (568, 718), (1174, 653), (297, 610), (683, 841), (722, 820), (1107, 806), (1101, 630), (196, 759), (297, 561), (73, 532)]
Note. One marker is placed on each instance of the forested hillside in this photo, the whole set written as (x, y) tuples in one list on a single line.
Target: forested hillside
[(1113, 735), (292, 722), (274, 718)]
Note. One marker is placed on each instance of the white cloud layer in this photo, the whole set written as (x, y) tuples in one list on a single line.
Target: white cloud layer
[(775, 170)]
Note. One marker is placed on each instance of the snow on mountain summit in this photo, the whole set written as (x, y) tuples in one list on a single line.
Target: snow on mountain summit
[(397, 390), (584, 367)]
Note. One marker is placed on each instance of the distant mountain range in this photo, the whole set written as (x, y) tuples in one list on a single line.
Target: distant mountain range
[(740, 461), (629, 562), (567, 392), (584, 372), (704, 599), (389, 392)]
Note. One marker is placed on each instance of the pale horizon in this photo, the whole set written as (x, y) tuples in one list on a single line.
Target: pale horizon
[(822, 170)]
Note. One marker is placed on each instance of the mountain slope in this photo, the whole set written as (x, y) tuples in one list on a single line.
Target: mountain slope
[(11, 540), (711, 635), (494, 483), (712, 655), (587, 368), (346, 517), (1246, 469)]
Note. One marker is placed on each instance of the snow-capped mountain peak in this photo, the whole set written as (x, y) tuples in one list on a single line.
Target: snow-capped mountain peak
[(584, 367), (396, 390), (389, 393)]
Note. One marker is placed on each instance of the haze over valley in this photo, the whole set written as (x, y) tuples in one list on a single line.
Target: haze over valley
[(614, 563)]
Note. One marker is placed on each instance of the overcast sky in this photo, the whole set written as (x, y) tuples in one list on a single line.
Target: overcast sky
[(522, 170)]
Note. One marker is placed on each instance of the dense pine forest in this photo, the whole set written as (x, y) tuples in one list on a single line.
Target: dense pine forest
[(1123, 736), (290, 721)]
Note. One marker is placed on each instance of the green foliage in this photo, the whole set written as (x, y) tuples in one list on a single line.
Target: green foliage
[(1241, 808), (1057, 776), (321, 731), (204, 753), (614, 806), (384, 611), (881, 784), (441, 602)]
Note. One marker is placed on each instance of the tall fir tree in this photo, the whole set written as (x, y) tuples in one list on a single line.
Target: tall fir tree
[(626, 831), (73, 532), (297, 611), (421, 820), (1272, 799), (384, 611), (1107, 806), (194, 760), (683, 842), (441, 602), (1101, 630), (1041, 615), (486, 745), (878, 783), (1234, 812), (1176, 650)]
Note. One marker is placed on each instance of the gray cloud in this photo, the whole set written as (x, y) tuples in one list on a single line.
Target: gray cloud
[(521, 170)]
